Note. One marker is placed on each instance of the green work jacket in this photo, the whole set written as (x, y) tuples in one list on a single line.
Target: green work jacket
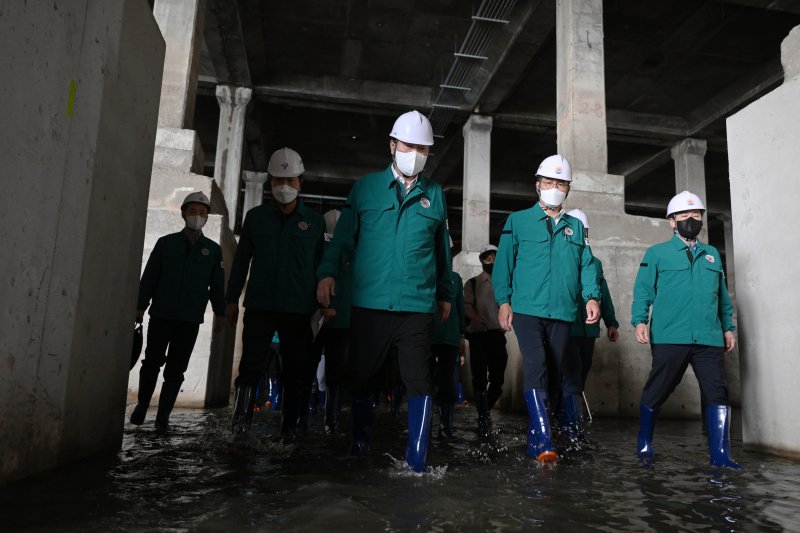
[(544, 271), (342, 301), (450, 331), (282, 254), (180, 277), (399, 247), (580, 328), (688, 295)]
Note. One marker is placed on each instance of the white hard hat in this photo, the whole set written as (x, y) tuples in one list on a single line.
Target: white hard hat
[(556, 167), (413, 128), (684, 201), (486, 250), (285, 163), (331, 218), (580, 215), (196, 198)]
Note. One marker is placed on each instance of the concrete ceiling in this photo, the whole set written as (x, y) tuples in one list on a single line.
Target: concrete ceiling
[(330, 76)]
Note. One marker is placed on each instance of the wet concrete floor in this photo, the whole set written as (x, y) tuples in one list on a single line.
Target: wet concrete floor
[(191, 480)]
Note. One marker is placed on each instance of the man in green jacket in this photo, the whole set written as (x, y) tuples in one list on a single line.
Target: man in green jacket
[(280, 244), (680, 290), (543, 273), (394, 227), (183, 270)]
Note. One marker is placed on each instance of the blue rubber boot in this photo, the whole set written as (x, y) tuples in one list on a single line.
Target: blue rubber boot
[(362, 426), (644, 441), (446, 422), (419, 431), (572, 419), (718, 418), (275, 394), (540, 444)]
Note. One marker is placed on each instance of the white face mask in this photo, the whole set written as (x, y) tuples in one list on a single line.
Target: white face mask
[(409, 163), (284, 194), (552, 197), (195, 222)]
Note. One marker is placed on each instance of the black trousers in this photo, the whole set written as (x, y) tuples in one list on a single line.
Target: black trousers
[(373, 333), (669, 364), (488, 359), (543, 343), (176, 336), (444, 361), (294, 331), (334, 342), (582, 349)]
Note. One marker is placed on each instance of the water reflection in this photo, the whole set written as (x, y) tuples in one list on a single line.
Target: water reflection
[(190, 479)]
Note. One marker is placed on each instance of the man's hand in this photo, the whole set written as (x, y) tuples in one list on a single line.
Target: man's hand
[(232, 312), (642, 334), (139, 316), (730, 341), (325, 289), (327, 314), (613, 334), (592, 312), (505, 316), (219, 323), (444, 310)]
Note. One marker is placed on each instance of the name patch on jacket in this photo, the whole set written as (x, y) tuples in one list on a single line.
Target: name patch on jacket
[(425, 203)]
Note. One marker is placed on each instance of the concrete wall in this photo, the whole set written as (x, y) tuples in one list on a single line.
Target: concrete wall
[(77, 173), (762, 152)]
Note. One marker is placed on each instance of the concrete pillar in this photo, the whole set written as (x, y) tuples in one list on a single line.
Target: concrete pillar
[(690, 172), (72, 223), (730, 270), (181, 24), (762, 152), (230, 139), (477, 184), (177, 171), (476, 196), (254, 189), (580, 84)]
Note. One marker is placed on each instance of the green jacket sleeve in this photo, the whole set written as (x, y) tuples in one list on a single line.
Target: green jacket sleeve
[(444, 282), (340, 249), (503, 272), (607, 305), (150, 277), (241, 263), (217, 289), (644, 290), (589, 276), (725, 306)]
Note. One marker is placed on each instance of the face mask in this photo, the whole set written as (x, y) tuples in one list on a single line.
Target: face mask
[(488, 268), (284, 194), (195, 222), (552, 197), (409, 163), (689, 228)]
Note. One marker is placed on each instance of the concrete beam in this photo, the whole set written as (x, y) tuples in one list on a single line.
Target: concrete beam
[(621, 122), (735, 96), (355, 93), (636, 168), (786, 6), (225, 41)]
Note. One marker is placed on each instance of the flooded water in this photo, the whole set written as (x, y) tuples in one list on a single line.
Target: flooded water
[(190, 480)]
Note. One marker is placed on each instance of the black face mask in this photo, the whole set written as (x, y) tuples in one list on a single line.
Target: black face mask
[(689, 228), (488, 268)]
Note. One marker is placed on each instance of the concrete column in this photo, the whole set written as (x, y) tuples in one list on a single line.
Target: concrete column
[(690, 173), (727, 226), (762, 152), (475, 219), (181, 24), (77, 181), (580, 85), (477, 182), (254, 189), (230, 138)]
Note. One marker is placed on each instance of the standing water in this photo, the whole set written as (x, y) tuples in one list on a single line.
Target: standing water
[(190, 480)]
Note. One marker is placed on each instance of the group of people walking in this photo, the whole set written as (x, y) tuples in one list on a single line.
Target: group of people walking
[(379, 273)]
